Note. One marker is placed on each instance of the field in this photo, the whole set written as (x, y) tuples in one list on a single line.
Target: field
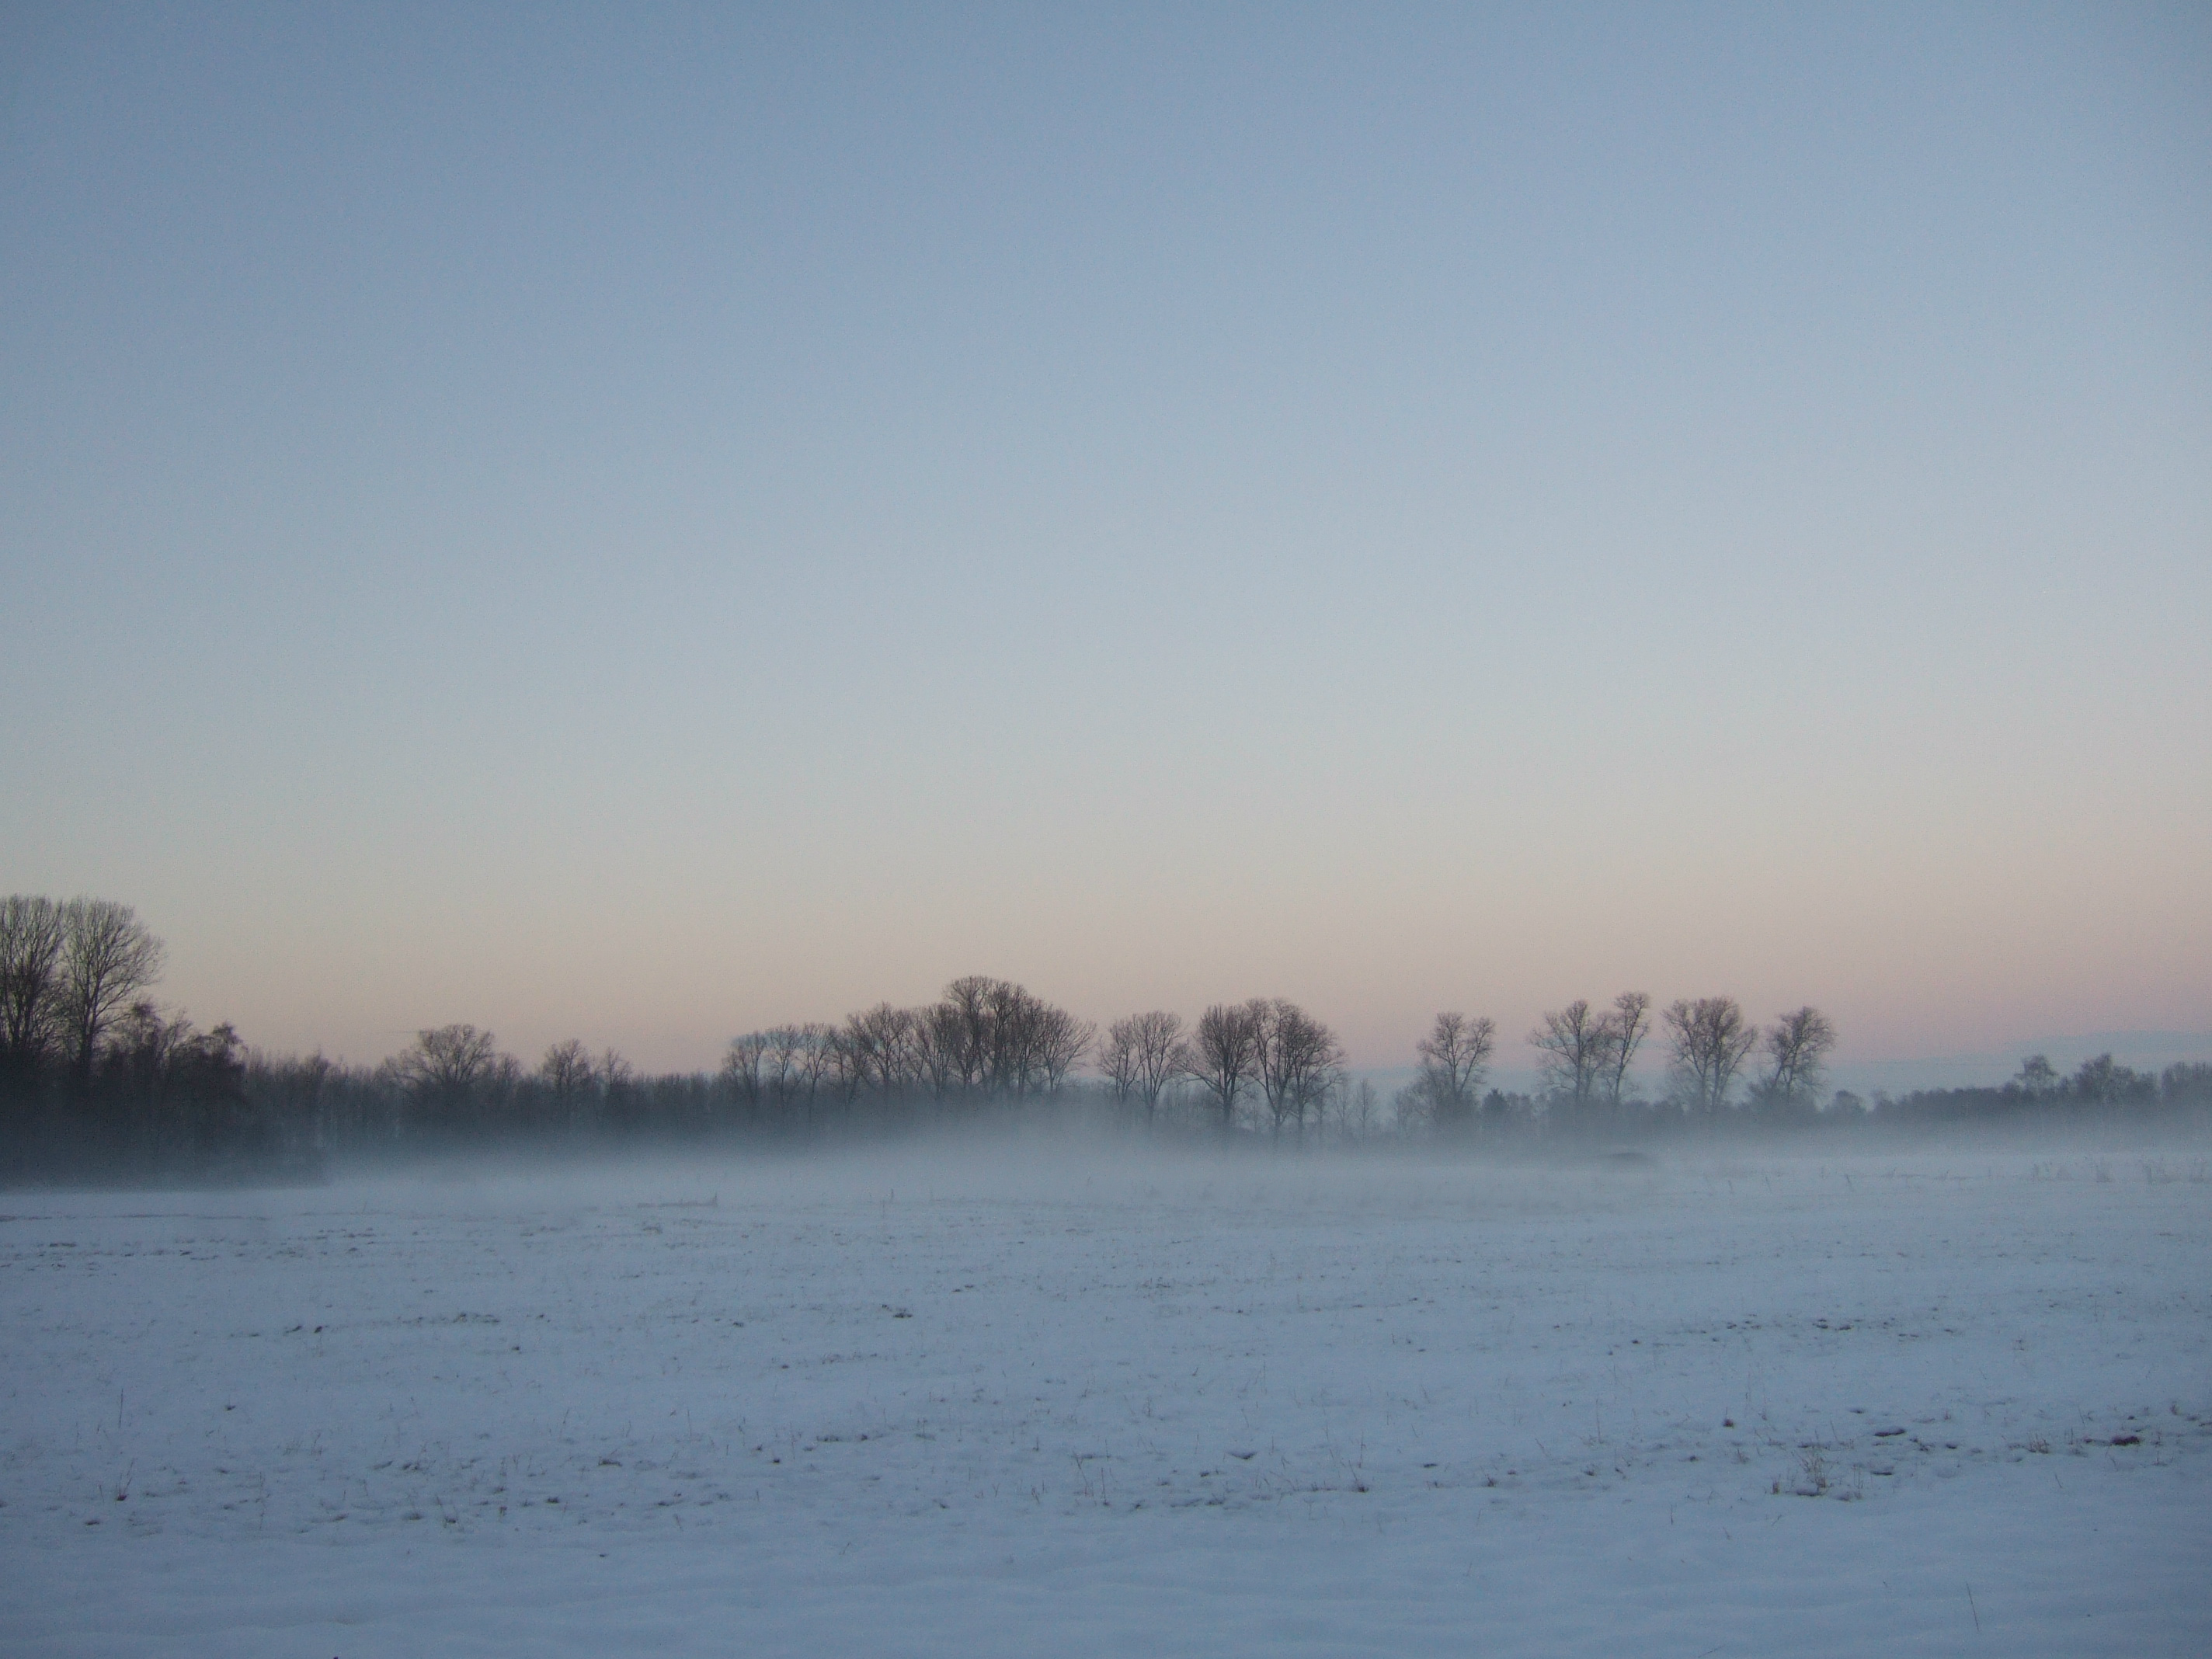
[(962, 1402)]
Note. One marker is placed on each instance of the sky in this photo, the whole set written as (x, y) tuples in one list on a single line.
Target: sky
[(646, 523)]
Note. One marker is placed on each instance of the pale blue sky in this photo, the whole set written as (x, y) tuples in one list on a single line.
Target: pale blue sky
[(645, 527)]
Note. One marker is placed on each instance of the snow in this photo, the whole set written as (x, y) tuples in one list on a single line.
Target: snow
[(952, 1403)]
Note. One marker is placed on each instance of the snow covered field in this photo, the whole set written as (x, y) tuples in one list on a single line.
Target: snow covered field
[(943, 1404)]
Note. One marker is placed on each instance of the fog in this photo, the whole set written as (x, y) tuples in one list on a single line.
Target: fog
[(1086, 1153), (996, 1390)]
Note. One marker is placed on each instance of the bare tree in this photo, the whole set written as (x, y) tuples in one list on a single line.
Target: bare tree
[(1626, 1027), (1269, 1040), (817, 1054), (1295, 1057), (1222, 1055), (1798, 1048), (567, 1074), (1316, 1075), (1454, 1056), (31, 931), (182, 1088), (962, 1020), (1117, 1060), (107, 957), (745, 1064), (566, 1068), (2183, 1080), (1159, 1038), (502, 1086), (786, 1046), (2104, 1081), (1412, 1111), (446, 1071), (820, 1063), (139, 1045), (1016, 1026), (996, 1036), (1574, 1042), (1710, 1039), (1010, 1056), (447, 1061), (1062, 1041), (618, 1087), (938, 1049), (768, 1070), (880, 1041), (1142, 1057), (1360, 1112), (982, 1034)]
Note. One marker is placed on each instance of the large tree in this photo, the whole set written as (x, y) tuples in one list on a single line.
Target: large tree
[(1221, 1057), (1454, 1056), (107, 957), (31, 934), (1709, 1038), (1297, 1059), (1062, 1040), (1141, 1057), (999, 1037), (1797, 1046), (1575, 1043), (570, 1077), (961, 1025), (1116, 1061), (881, 1043), (1626, 1027), (446, 1069)]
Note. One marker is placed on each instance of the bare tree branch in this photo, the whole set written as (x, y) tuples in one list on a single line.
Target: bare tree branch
[(1221, 1057), (1710, 1039), (107, 957), (1454, 1057)]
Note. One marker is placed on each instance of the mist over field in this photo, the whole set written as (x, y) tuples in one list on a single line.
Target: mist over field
[(982, 1397)]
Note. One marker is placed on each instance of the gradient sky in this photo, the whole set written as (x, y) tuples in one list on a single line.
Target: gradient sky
[(644, 526)]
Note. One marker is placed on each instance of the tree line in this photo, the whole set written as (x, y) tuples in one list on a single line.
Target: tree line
[(96, 1078), (92, 1072)]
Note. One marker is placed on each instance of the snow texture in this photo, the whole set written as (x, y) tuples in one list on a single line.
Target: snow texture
[(1924, 1404)]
